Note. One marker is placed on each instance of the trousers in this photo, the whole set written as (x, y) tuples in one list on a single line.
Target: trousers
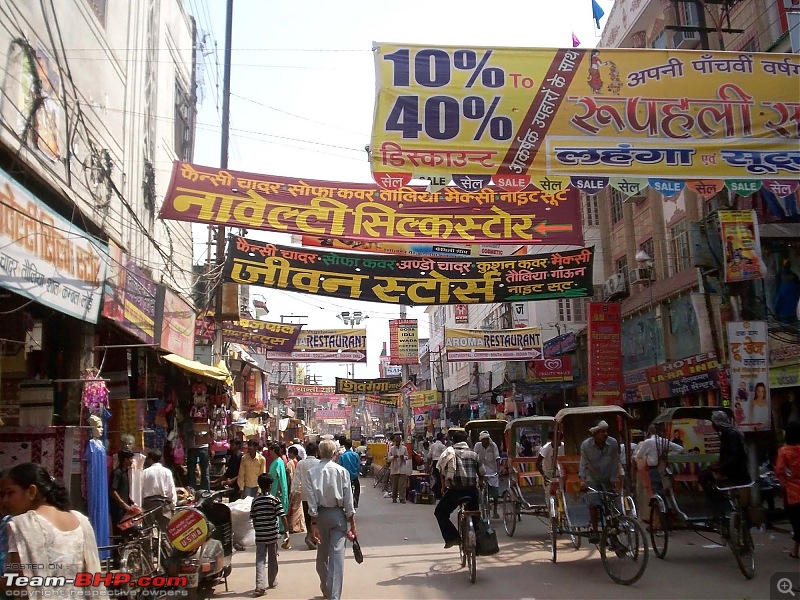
[(449, 502), (266, 564), (195, 456), (332, 526), (356, 484), (399, 485)]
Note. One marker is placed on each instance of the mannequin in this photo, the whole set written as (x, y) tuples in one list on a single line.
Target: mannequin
[(97, 485)]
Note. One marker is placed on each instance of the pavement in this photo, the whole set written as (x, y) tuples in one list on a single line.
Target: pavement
[(404, 558)]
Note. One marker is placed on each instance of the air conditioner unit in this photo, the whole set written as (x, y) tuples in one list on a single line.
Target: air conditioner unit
[(641, 275), (685, 40), (615, 285)]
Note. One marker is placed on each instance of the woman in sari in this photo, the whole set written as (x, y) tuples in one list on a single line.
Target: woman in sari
[(280, 486), (296, 519)]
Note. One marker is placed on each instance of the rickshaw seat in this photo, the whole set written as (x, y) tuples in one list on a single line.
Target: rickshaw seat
[(570, 465), (527, 473)]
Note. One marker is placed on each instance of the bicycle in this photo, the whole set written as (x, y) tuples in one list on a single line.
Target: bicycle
[(141, 551), (468, 540), (382, 477)]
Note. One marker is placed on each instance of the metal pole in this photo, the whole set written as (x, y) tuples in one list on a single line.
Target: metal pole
[(223, 163)]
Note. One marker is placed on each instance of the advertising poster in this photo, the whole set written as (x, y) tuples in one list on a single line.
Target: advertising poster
[(130, 298), (353, 211), (469, 345), (741, 245), (510, 113), (605, 353), (461, 313), (410, 280), (697, 436), (177, 320), (749, 354), (326, 345), (403, 342), (549, 369)]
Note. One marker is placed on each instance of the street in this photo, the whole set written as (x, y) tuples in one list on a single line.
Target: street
[(404, 558)]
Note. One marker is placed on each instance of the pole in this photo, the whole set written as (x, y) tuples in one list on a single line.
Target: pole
[(223, 163)]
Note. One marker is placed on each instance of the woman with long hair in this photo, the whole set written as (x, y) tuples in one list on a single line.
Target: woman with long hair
[(280, 486), (46, 538)]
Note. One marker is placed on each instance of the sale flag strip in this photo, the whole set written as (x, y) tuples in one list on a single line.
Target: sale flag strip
[(410, 281), (514, 113), (280, 337), (467, 345), (368, 386), (355, 211)]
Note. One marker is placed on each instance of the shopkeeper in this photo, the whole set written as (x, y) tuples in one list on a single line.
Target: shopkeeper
[(120, 489)]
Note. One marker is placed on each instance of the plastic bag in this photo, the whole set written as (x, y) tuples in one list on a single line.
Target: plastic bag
[(241, 526), (485, 539)]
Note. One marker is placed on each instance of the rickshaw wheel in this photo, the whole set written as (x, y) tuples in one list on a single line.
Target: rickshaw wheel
[(509, 514), (554, 539), (623, 548), (741, 543), (659, 531)]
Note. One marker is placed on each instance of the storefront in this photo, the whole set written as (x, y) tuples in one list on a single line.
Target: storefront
[(784, 379)]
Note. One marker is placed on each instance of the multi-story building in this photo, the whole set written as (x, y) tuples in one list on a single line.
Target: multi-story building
[(97, 102)]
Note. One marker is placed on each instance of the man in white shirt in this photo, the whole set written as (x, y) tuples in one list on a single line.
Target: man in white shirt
[(298, 487), (651, 451), (330, 504), (434, 455), (301, 452), (546, 462), (158, 489), (399, 468), (489, 458)]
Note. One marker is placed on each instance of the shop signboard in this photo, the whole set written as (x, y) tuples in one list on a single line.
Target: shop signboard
[(562, 344), (177, 320), (694, 374), (549, 369), (471, 345), (637, 387), (368, 386), (403, 342), (405, 248), (410, 280), (605, 353), (365, 212), (297, 390), (280, 337), (748, 355), (461, 313), (46, 258), (326, 345), (423, 400), (130, 297)]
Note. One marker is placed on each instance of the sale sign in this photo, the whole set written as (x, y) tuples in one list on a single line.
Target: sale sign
[(605, 353)]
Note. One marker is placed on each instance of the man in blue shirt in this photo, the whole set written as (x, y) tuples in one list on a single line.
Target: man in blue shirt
[(351, 461)]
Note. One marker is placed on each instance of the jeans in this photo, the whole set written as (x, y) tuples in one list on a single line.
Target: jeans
[(399, 485), (250, 492), (356, 491), (332, 526), (195, 456), (266, 560), (448, 503)]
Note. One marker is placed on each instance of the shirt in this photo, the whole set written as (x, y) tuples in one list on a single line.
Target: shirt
[(653, 448), (351, 461), (733, 457), (120, 483), (232, 467), (488, 457), (549, 459), (399, 462), (787, 470), (460, 465), (600, 465), (298, 485), (157, 481), (436, 451), (328, 486), (623, 455), (265, 512), (249, 470)]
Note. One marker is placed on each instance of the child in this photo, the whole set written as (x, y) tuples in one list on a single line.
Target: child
[(265, 512)]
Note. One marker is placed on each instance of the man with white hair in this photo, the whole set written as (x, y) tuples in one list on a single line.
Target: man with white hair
[(489, 457), (330, 505), (600, 468)]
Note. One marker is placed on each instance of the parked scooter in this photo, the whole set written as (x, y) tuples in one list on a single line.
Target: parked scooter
[(202, 541)]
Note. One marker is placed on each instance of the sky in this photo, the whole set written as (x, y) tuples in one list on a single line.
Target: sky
[(302, 99)]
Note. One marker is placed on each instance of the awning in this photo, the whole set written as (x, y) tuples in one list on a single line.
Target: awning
[(220, 372)]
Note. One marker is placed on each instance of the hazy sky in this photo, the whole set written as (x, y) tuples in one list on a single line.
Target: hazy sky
[(303, 88)]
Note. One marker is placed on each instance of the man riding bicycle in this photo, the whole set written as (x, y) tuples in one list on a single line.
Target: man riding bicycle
[(462, 474), (600, 469), (732, 468)]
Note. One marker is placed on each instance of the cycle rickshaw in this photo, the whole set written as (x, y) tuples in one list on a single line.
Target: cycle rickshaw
[(495, 428), (526, 494), (683, 504), (622, 541)]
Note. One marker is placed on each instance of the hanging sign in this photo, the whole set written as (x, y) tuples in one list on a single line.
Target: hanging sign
[(403, 342), (130, 297), (402, 248), (328, 345), (297, 390), (177, 318), (749, 356), (423, 400), (261, 334), (605, 353), (472, 345), (741, 245), (549, 369), (355, 211), (511, 112), (461, 313), (411, 281), (368, 386)]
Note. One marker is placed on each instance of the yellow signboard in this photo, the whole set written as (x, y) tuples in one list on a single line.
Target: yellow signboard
[(423, 398), (510, 113)]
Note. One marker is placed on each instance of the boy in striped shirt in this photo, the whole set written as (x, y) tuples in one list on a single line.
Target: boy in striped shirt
[(265, 512)]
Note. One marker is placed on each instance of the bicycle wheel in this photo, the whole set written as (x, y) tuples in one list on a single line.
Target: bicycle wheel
[(380, 477), (462, 544), (741, 543), (659, 531), (623, 548), (509, 514), (133, 561), (554, 539), (472, 560)]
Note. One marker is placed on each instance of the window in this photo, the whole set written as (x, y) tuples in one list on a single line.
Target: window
[(572, 310), (649, 248), (184, 134), (591, 210), (661, 41), (617, 200), (622, 265), (679, 240)]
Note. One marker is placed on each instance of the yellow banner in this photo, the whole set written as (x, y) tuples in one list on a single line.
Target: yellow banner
[(508, 112), (422, 398)]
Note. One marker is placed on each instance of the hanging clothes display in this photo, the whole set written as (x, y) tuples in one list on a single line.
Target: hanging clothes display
[(97, 496)]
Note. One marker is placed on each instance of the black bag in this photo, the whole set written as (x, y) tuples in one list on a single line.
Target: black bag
[(357, 554), (485, 539)]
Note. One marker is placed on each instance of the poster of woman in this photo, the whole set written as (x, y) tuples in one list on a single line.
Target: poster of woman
[(747, 345)]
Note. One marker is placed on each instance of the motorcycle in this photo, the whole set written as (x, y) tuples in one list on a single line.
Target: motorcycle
[(201, 538), (366, 465)]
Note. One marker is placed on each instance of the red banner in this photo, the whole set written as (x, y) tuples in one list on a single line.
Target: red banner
[(355, 211), (461, 312), (550, 369), (605, 354)]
